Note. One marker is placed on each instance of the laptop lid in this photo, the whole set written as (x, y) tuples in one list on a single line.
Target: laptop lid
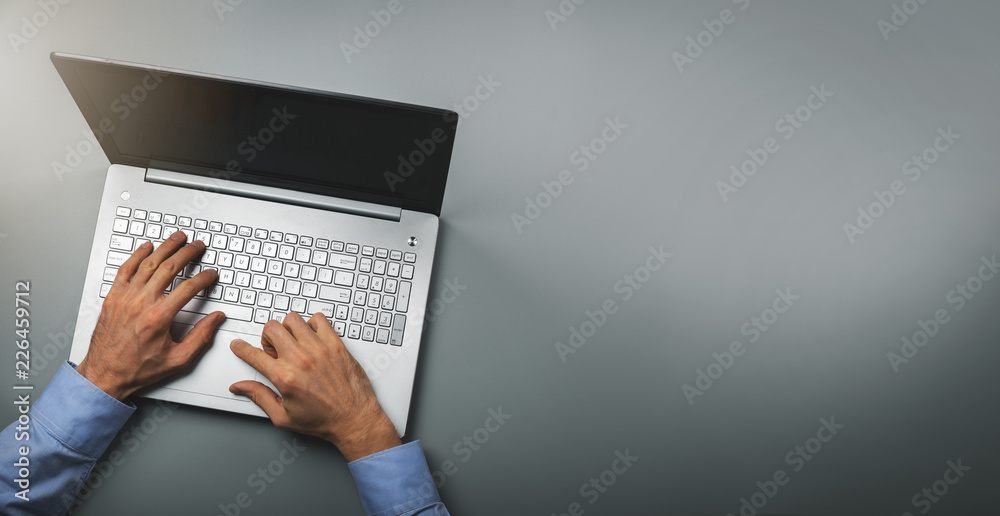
[(266, 134)]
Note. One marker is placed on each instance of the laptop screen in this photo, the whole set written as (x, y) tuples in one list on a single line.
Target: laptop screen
[(306, 140)]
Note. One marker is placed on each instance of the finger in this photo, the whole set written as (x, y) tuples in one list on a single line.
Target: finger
[(321, 325), (254, 357), (153, 261), (127, 269), (198, 339), (263, 397), (168, 269), (298, 327), (186, 291), (276, 335)]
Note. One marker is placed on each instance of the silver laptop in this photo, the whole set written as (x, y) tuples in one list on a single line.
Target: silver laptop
[(308, 201)]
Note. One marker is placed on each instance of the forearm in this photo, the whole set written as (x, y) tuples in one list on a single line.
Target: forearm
[(67, 430)]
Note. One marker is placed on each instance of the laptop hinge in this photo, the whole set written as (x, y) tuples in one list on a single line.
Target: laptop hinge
[(268, 193)]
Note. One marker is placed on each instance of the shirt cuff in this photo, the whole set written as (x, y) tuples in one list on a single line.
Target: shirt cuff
[(394, 481), (80, 414)]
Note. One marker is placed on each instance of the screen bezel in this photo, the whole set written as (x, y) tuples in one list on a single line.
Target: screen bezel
[(67, 65)]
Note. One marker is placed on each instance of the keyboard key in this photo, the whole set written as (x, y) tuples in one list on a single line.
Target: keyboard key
[(226, 276), (208, 257), (293, 287), (153, 231), (299, 305), (325, 276), (382, 252), (320, 257), (310, 289), (292, 270), (357, 314), (229, 229), (367, 250), (339, 295), (371, 316), (225, 259), (242, 279), (214, 226), (363, 281), (264, 299), (376, 284), (261, 316), (387, 302), (277, 317), (190, 270), (291, 239), (233, 312), (281, 303), (286, 252), (382, 336), (403, 299), (155, 216), (123, 211), (116, 259), (184, 222), (220, 242), (407, 271), (236, 244), (242, 262), (306, 241), (202, 224), (352, 248), (105, 288), (258, 264), (253, 247), (368, 334), (204, 236), (340, 327), (276, 284), (122, 243), (260, 234), (354, 331), (393, 269), (275, 236), (139, 214), (120, 226), (379, 267), (409, 257), (170, 219), (231, 294), (343, 261), (343, 278), (366, 265), (308, 272), (390, 286), (337, 246), (245, 231), (110, 273), (374, 300), (188, 235), (215, 292), (395, 255), (360, 297), (384, 319), (326, 309), (248, 296), (322, 243), (302, 255), (137, 228), (259, 282), (398, 323), (269, 249), (341, 312)]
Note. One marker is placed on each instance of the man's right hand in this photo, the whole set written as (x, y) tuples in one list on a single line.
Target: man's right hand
[(323, 391)]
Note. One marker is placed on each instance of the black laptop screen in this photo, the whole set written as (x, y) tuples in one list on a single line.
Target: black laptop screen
[(325, 143)]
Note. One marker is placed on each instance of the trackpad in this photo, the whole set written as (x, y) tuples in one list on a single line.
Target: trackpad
[(218, 367)]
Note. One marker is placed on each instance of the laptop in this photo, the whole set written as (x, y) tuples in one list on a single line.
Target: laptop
[(308, 201)]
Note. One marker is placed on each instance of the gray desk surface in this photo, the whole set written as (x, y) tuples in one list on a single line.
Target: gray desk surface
[(656, 184)]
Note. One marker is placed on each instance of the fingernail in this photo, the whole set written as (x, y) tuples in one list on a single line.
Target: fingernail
[(145, 245), (198, 243), (178, 235)]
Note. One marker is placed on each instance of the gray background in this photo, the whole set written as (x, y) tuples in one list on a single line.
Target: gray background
[(495, 345)]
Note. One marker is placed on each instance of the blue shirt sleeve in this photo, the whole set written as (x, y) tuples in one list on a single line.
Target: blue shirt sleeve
[(70, 426), (397, 482)]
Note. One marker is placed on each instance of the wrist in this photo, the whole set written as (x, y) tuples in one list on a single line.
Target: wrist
[(368, 441), (110, 387)]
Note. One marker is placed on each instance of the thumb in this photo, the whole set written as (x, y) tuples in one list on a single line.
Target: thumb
[(263, 397)]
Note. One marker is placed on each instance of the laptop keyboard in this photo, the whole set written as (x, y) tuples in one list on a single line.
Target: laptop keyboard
[(264, 274)]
